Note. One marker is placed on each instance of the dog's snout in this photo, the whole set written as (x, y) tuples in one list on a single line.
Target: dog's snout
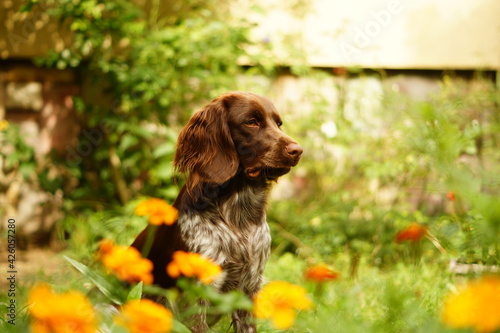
[(294, 149)]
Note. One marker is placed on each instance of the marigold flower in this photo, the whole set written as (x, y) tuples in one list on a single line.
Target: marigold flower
[(451, 196), (279, 301), (126, 263), (320, 273), (475, 306), (60, 313), (414, 232), (193, 265), (159, 211), (145, 316)]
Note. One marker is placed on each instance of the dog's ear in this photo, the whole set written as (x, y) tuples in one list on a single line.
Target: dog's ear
[(205, 148)]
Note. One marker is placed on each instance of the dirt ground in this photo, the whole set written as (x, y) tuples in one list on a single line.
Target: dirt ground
[(28, 265)]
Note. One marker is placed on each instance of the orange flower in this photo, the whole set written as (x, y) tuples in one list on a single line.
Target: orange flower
[(320, 273), (414, 232), (451, 196), (193, 264), (60, 313), (126, 263), (279, 302), (106, 246), (475, 306), (158, 210), (145, 316)]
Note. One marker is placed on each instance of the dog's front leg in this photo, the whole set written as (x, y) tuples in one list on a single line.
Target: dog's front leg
[(243, 322), (198, 322)]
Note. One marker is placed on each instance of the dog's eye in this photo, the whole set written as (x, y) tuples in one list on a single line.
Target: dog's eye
[(252, 123), (279, 123)]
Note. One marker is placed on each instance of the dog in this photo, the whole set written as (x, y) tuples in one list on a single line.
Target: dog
[(233, 149)]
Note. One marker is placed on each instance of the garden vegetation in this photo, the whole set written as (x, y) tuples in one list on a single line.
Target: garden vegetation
[(395, 226)]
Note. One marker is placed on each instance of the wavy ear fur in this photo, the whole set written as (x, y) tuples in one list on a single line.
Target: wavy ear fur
[(205, 148)]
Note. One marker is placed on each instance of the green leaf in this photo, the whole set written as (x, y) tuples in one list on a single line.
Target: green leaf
[(108, 289), (169, 192), (27, 169), (50, 185), (165, 148), (180, 327), (154, 290), (164, 170), (26, 8), (136, 292), (141, 132), (78, 104), (12, 159), (127, 141)]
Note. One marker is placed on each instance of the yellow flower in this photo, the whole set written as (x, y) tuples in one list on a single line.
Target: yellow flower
[(145, 316), (279, 301), (476, 305), (60, 313), (4, 124), (126, 263), (158, 210), (193, 265)]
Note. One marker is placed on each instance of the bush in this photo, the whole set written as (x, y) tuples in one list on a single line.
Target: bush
[(143, 71)]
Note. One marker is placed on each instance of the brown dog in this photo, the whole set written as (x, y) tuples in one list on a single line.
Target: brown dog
[(232, 149)]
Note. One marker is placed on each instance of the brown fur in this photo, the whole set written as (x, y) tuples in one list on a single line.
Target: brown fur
[(232, 150)]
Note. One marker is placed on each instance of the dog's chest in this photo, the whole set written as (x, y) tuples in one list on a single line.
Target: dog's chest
[(236, 236)]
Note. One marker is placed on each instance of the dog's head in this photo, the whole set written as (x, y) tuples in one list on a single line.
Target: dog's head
[(236, 131)]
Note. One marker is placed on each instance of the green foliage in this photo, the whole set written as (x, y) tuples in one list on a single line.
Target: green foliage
[(143, 72), (365, 183), (184, 307), (16, 155), (403, 299), (116, 292), (84, 231)]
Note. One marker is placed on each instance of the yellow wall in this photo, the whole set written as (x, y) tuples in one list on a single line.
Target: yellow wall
[(422, 34)]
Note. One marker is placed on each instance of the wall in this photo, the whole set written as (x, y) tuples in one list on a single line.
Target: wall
[(404, 34)]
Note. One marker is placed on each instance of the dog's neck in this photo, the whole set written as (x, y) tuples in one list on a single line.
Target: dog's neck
[(240, 200), (246, 202)]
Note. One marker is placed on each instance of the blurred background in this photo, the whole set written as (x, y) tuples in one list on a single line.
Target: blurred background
[(396, 104)]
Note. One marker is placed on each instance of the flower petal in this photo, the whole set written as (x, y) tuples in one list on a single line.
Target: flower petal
[(283, 318)]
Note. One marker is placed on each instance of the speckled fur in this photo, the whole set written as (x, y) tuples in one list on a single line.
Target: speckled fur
[(233, 149), (235, 234)]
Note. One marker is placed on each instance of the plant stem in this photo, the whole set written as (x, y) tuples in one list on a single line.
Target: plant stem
[(149, 240)]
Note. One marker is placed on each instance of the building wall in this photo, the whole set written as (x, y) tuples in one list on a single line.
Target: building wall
[(40, 102), (397, 34)]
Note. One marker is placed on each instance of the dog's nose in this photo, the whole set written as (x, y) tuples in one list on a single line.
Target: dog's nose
[(294, 149)]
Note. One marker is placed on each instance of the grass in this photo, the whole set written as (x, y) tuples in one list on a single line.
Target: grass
[(403, 298), (399, 298)]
